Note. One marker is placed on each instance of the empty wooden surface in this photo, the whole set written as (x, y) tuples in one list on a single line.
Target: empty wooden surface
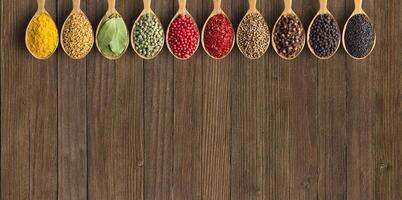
[(201, 129)]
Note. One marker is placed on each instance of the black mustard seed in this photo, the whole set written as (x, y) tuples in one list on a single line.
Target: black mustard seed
[(324, 36), (359, 36)]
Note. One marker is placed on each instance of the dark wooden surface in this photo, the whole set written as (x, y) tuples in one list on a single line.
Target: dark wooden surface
[(201, 129)]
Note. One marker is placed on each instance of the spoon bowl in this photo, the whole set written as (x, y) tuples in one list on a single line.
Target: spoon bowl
[(252, 10), (41, 10), (109, 13), (147, 10), (76, 10), (287, 11), (323, 11), (358, 10), (217, 10), (182, 11)]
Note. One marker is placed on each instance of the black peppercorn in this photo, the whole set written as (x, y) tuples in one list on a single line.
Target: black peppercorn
[(324, 36)]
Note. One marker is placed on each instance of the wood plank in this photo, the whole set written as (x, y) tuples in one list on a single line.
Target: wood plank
[(188, 120), (248, 120), (101, 98), (15, 105), (386, 86), (216, 120), (276, 165), (158, 116), (29, 111), (115, 123), (359, 102), (72, 115), (332, 118), (129, 131), (303, 137)]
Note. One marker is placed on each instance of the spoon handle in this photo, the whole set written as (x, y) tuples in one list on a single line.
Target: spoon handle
[(358, 5), (41, 5), (323, 5), (182, 6), (76, 5), (217, 5), (147, 4), (111, 6), (252, 4), (288, 6)]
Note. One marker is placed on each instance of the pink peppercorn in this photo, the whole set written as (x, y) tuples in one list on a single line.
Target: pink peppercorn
[(183, 37), (218, 36)]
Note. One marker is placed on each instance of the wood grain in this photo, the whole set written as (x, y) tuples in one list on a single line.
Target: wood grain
[(216, 120), (187, 136), (116, 129), (29, 113), (303, 118), (248, 125), (202, 128), (72, 116), (158, 117), (276, 166), (331, 119), (386, 84), (360, 105)]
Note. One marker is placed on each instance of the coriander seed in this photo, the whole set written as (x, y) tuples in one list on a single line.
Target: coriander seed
[(253, 35)]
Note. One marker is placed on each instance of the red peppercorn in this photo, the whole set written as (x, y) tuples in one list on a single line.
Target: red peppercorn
[(183, 37), (218, 36)]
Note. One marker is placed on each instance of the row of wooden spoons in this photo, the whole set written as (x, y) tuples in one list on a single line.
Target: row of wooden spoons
[(217, 10)]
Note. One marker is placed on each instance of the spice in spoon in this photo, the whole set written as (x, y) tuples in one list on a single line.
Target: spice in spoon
[(253, 36), (183, 36), (359, 36), (77, 36), (289, 36), (112, 38), (324, 36), (148, 37), (218, 36), (42, 36)]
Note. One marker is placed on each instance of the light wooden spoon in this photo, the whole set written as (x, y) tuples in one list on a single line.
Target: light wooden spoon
[(182, 11), (358, 10), (147, 10), (216, 10), (76, 10), (41, 10), (110, 11), (323, 11), (251, 10), (287, 11)]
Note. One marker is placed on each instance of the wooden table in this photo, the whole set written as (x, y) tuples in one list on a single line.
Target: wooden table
[(201, 129)]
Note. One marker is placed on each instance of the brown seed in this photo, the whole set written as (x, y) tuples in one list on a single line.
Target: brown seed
[(77, 36), (291, 36)]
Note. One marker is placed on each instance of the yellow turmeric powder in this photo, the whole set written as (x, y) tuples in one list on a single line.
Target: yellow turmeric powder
[(42, 36)]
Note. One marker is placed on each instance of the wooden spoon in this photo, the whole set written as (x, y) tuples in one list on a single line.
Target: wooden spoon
[(251, 10), (287, 11), (41, 10), (323, 11), (182, 11), (76, 10), (147, 10), (358, 10), (217, 10), (110, 11)]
